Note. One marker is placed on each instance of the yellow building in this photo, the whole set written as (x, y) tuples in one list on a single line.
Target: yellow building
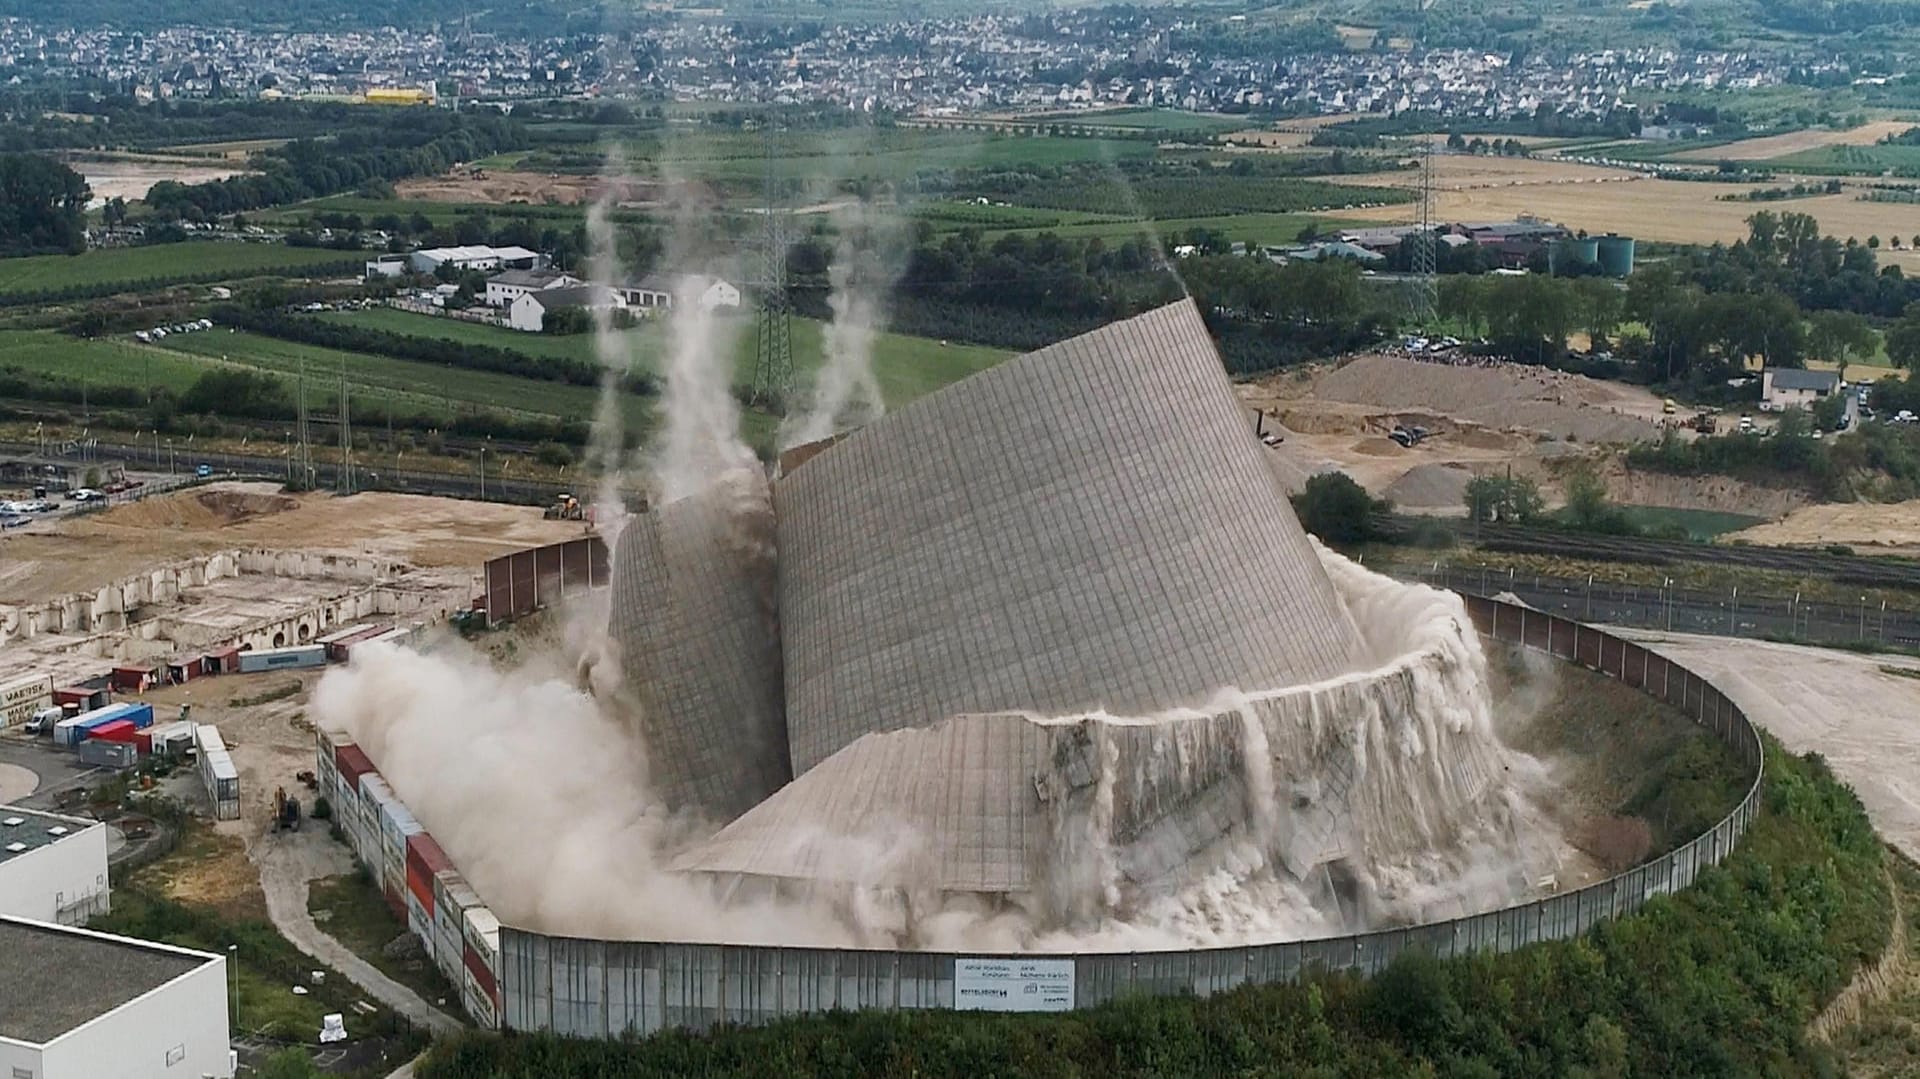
[(399, 95)]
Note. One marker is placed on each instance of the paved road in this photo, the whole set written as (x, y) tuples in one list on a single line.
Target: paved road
[(1864, 720), (288, 863)]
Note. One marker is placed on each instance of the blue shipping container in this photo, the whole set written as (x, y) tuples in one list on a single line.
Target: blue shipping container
[(72, 731), (140, 714)]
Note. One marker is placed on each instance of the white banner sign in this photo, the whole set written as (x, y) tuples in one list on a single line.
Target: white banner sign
[(1013, 985)]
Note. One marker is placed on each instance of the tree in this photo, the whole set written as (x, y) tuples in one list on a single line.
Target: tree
[(1512, 499), (43, 206), (1903, 339), (1338, 510), (1874, 241), (1587, 507), (1839, 337)]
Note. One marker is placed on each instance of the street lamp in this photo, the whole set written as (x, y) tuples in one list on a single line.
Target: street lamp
[(1669, 590)]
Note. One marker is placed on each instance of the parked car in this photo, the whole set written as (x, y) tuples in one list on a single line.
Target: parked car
[(88, 494), (203, 471)]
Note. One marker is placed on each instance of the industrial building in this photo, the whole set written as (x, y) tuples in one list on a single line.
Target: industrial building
[(659, 291), (75, 1004), (52, 868), (528, 312), (474, 257)]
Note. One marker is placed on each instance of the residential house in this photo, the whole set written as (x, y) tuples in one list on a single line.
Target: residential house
[(509, 285), (529, 312), (1782, 388)]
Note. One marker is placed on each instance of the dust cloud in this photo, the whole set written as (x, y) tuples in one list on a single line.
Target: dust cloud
[(868, 258), (540, 793)]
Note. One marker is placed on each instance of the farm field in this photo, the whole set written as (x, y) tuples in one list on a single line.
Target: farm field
[(907, 367), (1770, 147), (1852, 160), (1614, 200), (162, 263), (1145, 119), (100, 362), (1252, 228)]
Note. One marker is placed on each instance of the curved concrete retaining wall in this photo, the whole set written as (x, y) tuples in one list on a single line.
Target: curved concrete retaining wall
[(602, 988)]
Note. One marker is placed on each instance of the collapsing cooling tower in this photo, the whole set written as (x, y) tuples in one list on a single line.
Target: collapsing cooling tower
[(693, 619), (1089, 526)]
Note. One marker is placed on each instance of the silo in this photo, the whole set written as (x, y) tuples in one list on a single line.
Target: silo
[(1565, 255), (1616, 255)]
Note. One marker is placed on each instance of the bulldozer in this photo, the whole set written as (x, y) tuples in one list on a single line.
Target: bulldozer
[(286, 811), (565, 508)]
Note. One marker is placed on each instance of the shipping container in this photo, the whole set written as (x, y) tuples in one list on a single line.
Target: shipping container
[(168, 739), (73, 730), (217, 773), (425, 859), (343, 633), (480, 935), (353, 763), (120, 730), (478, 1000), (108, 754), (87, 698), (339, 648), (20, 698), (135, 678), (453, 897), (185, 669), (283, 659), (224, 661)]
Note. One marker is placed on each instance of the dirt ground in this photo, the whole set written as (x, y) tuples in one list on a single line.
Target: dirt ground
[(84, 553), (132, 180), (1479, 419), (1794, 142), (538, 188), (1616, 200), (1868, 527)]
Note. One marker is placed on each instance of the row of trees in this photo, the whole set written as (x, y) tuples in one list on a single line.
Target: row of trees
[(403, 143), (1787, 253)]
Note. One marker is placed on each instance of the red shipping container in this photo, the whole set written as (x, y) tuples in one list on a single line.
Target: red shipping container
[(352, 763), (424, 859), (143, 741), (120, 730), (337, 650), (225, 661), (478, 968), (132, 679), (86, 698)]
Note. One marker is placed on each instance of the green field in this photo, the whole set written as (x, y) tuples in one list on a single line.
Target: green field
[(949, 215), (100, 362), (1147, 119), (907, 367), (1853, 160), (162, 263), (1252, 228)]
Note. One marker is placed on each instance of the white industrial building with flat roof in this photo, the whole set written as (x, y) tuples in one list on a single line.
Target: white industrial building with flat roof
[(52, 868), (76, 1004)]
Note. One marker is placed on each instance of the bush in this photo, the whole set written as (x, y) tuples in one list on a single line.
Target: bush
[(1339, 511), (322, 809)]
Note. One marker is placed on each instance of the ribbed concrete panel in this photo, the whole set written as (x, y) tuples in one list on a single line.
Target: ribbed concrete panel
[(692, 616), (1089, 526)]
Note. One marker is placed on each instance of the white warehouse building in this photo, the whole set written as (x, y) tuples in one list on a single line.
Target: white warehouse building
[(75, 1004), (52, 868)]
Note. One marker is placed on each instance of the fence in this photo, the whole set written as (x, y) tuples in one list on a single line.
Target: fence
[(602, 988), (1729, 613)]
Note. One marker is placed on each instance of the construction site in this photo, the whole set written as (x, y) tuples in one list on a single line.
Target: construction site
[(907, 719)]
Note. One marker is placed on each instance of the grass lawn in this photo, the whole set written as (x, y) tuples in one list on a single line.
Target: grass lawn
[(1146, 119), (951, 215), (350, 910), (157, 265)]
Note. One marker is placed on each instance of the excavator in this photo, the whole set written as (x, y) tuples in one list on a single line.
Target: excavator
[(286, 811)]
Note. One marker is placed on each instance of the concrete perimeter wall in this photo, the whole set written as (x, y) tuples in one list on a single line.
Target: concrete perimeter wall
[(600, 988)]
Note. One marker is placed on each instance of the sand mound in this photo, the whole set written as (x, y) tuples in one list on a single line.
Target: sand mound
[(212, 508), (1505, 396), (1431, 486)]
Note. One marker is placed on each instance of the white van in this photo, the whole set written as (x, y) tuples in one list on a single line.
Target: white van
[(43, 720)]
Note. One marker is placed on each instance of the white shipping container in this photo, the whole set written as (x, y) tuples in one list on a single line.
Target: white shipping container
[(480, 929), (22, 697), (420, 923)]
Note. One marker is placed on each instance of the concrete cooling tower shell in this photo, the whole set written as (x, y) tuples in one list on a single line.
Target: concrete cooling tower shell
[(693, 621), (1091, 526)]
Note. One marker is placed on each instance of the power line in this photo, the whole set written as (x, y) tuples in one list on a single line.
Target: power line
[(1426, 280), (773, 356)]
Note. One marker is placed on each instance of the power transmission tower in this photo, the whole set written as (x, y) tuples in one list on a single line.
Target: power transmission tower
[(303, 453), (343, 477), (773, 359), (1426, 284)]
